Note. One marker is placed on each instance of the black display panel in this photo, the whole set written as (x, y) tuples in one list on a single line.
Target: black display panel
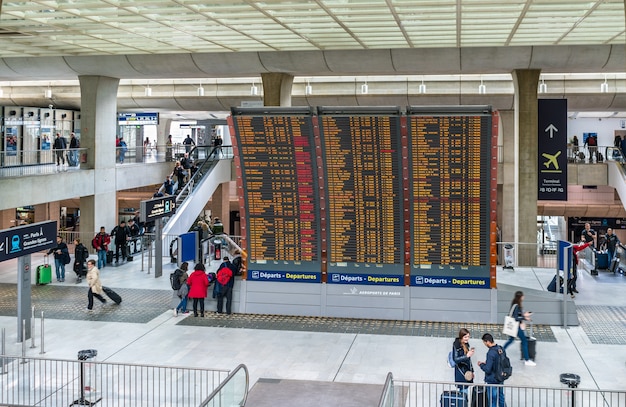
[(450, 167), (362, 177), (278, 177)]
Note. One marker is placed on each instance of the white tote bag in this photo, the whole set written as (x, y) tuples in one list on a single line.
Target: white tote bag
[(511, 326)]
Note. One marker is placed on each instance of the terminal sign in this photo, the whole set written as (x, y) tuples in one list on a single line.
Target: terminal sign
[(157, 208), (23, 240)]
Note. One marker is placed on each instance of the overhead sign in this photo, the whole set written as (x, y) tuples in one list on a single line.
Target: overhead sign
[(157, 208), (134, 119), (552, 149), (23, 240)]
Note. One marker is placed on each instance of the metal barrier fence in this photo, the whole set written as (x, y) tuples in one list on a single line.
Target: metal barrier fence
[(53, 382), (414, 394)]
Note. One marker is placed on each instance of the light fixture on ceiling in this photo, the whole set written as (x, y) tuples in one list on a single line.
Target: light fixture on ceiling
[(48, 93), (308, 89), (543, 88), (482, 89), (254, 90), (422, 88), (364, 89), (147, 92), (604, 87), (200, 90)]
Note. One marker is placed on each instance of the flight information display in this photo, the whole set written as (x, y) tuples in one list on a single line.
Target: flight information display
[(278, 182), (362, 173), (450, 170)]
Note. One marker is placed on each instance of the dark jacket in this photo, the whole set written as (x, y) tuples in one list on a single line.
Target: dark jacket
[(611, 241), (64, 251), (489, 367), (518, 313), (463, 362), (81, 254), (121, 234)]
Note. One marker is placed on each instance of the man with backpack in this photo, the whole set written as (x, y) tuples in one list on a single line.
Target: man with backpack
[(225, 282), (497, 369)]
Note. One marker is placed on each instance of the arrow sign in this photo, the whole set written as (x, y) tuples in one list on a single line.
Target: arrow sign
[(551, 129)]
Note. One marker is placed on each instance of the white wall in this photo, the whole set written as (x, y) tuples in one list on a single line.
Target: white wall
[(605, 128)]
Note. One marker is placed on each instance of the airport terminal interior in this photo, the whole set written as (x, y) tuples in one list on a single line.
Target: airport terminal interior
[(392, 171)]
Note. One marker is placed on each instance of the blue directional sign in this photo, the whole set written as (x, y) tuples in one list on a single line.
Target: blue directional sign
[(27, 239)]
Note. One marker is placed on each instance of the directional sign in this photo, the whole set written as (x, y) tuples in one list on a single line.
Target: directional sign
[(552, 149), (157, 208), (27, 239)]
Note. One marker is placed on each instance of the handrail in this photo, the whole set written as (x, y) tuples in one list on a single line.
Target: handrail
[(386, 398), (221, 386)]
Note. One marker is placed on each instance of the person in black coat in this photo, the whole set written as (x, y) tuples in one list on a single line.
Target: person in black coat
[(462, 354), (122, 236), (81, 254)]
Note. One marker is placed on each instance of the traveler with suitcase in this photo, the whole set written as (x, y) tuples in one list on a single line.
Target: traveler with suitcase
[(518, 313), (61, 258), (95, 286), (612, 242), (81, 254), (571, 281)]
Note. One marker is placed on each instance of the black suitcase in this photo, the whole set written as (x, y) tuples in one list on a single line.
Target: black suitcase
[(613, 265), (480, 397), (532, 343), (453, 398), (112, 295), (109, 257), (129, 258)]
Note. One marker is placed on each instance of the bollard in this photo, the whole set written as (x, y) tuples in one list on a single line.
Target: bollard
[(23, 341), (32, 330), (41, 352)]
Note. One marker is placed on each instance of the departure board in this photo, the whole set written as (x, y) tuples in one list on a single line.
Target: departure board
[(450, 171), (362, 174), (278, 179)]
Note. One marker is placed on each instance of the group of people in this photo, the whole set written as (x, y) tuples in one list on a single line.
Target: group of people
[(61, 152), (462, 354), (195, 286)]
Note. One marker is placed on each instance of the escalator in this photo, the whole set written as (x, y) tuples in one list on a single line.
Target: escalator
[(214, 168)]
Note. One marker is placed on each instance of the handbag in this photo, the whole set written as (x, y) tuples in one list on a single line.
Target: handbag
[(511, 326)]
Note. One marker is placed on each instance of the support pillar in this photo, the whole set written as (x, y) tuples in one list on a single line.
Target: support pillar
[(98, 130), (526, 82), (220, 205), (277, 89), (506, 209)]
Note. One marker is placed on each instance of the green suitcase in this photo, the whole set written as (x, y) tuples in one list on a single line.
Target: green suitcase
[(44, 272)]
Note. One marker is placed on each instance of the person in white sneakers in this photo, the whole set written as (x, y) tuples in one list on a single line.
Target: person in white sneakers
[(521, 316)]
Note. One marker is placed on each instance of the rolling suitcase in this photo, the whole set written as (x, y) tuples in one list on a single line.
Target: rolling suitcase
[(109, 257), (614, 264), (532, 344), (115, 297), (44, 272), (453, 398), (602, 261), (480, 397)]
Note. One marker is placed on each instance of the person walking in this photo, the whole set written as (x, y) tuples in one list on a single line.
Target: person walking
[(73, 153), (122, 236), (518, 313), (95, 286), (462, 354), (81, 254), (101, 243), (59, 146), (612, 242), (571, 282), (61, 258), (496, 394), (183, 291), (198, 283)]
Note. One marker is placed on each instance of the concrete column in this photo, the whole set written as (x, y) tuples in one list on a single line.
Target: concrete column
[(526, 82), (98, 129), (220, 204), (42, 212), (163, 130), (277, 89), (506, 210)]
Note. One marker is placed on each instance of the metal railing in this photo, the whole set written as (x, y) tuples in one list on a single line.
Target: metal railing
[(233, 391), (542, 255), (55, 382), (581, 154), (387, 397), (424, 393)]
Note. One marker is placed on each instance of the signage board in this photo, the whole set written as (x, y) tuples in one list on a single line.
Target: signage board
[(23, 240), (157, 208), (135, 119), (552, 149)]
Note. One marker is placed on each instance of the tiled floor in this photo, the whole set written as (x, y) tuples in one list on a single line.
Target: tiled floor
[(144, 330)]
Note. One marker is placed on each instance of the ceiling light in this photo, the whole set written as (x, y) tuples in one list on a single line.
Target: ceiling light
[(543, 88), (48, 93), (147, 91), (482, 89), (200, 91), (364, 89), (308, 89), (254, 90), (604, 87), (422, 88)]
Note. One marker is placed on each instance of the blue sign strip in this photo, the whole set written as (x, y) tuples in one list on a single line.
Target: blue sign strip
[(450, 282), (365, 279), (285, 276)]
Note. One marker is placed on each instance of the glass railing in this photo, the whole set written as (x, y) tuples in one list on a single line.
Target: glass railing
[(231, 392), (386, 398)]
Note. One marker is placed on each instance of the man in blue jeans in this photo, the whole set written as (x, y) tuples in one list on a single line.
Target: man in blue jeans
[(496, 394)]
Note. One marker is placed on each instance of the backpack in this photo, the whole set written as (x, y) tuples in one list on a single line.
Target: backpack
[(237, 265), (451, 362), (503, 368), (175, 279), (224, 275)]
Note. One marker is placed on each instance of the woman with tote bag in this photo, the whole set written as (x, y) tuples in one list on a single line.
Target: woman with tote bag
[(520, 316)]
